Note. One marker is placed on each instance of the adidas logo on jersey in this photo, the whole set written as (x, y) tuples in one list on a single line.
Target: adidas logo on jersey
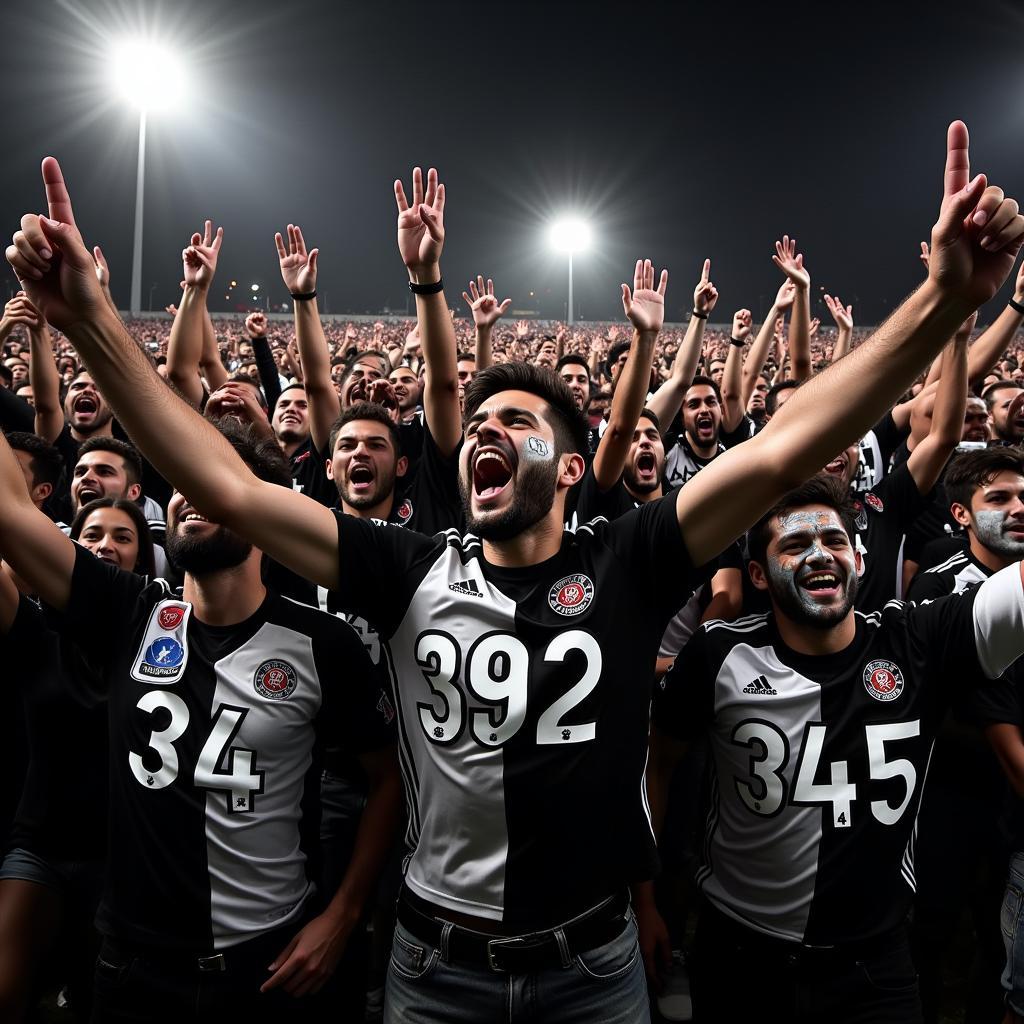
[(466, 587), (760, 687)]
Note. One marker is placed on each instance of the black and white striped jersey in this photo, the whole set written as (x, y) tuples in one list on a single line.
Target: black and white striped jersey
[(523, 703), (955, 573), (212, 733), (820, 761)]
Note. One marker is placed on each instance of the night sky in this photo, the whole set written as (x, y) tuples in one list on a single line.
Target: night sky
[(681, 131)]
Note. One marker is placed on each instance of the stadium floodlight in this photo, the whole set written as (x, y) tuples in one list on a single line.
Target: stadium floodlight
[(255, 287), (569, 235), (149, 77)]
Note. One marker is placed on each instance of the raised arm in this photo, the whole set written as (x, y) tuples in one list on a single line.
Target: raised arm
[(993, 342), (754, 363), (930, 455), (791, 263), (806, 432), (668, 399), (42, 369), (645, 308), (486, 312), (843, 316), (733, 405), (298, 270), (270, 378), (420, 242), (30, 542), (183, 447), (185, 345)]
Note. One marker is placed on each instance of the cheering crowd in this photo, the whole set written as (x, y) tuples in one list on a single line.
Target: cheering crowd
[(464, 671)]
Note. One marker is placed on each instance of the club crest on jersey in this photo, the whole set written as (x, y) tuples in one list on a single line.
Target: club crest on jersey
[(275, 680), (404, 512), (860, 516), (170, 616), (162, 659), (571, 595), (874, 501), (386, 708), (883, 679)]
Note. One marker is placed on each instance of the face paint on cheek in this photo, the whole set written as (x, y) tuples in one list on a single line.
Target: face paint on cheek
[(536, 448), (989, 525)]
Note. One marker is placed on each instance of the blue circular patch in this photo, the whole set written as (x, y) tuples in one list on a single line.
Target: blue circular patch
[(164, 652)]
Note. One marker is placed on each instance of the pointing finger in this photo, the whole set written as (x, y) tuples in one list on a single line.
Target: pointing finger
[(57, 198), (958, 160)]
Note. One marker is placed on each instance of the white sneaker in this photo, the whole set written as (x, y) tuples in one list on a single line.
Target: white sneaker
[(674, 1003)]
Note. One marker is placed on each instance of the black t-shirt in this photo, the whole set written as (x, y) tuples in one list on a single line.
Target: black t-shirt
[(819, 762), (62, 814), (884, 515), (523, 700), (212, 755), (682, 462), (309, 473)]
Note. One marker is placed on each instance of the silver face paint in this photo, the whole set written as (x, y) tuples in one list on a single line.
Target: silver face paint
[(786, 571), (536, 448), (989, 527)]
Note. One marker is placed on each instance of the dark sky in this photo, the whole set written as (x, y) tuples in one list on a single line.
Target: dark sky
[(683, 130)]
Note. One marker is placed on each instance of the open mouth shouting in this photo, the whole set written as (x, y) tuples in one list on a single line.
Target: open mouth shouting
[(705, 427), (361, 478), (493, 468), (646, 466), (822, 584), (85, 406), (190, 517)]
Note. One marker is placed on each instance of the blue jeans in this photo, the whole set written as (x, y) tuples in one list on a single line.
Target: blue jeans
[(605, 985), (1013, 935)]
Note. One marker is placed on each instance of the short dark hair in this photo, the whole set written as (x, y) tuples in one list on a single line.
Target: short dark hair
[(822, 489), (967, 471), (613, 355), (648, 414), (45, 461), (996, 386), (701, 380), (366, 411), (570, 425), (128, 452), (575, 358), (771, 400), (261, 454), (297, 386), (145, 563), (469, 357), (357, 356)]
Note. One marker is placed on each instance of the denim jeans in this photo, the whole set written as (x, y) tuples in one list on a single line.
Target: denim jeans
[(605, 985), (1013, 935)]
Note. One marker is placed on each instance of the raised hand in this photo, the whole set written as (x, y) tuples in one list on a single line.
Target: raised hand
[(786, 295), (742, 321), (421, 223), (199, 259), (522, 329), (843, 315), (705, 295), (924, 255), (381, 392), (483, 305), (52, 263), (239, 401), (790, 262), (813, 330), (298, 268), (645, 306), (979, 231), (172, 309), (20, 310), (256, 325)]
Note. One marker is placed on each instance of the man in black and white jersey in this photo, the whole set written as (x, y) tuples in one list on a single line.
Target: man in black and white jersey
[(821, 722), (219, 697), (523, 735)]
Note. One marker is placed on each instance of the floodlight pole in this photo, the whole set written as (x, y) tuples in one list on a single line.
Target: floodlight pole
[(136, 296), (570, 288)]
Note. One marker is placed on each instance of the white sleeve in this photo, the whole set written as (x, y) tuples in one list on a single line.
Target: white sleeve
[(999, 621)]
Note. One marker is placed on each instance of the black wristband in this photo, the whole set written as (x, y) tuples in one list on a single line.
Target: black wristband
[(700, 316), (427, 289), (303, 296), (739, 343), (1014, 304)]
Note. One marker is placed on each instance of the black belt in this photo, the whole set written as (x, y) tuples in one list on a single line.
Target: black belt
[(515, 954)]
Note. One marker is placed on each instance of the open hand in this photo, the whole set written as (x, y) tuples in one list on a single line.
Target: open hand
[(298, 268), (421, 223), (483, 305), (791, 263), (645, 307)]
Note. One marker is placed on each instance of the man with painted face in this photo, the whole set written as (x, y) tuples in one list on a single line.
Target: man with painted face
[(821, 721), (962, 862), (524, 734)]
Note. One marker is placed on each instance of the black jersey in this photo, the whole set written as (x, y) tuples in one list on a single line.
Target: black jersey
[(819, 762), (211, 754), (309, 473), (523, 698), (62, 813), (682, 462), (884, 515)]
